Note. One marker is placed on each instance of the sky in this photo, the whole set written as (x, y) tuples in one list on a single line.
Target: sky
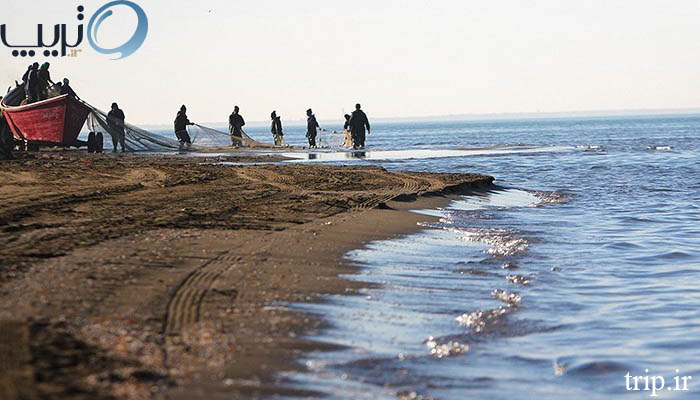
[(399, 58)]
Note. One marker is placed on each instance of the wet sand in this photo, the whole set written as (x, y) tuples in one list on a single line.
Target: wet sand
[(162, 277)]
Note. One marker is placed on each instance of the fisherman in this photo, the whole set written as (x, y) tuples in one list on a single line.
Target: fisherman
[(6, 140), (358, 123), (235, 127), (25, 77), (31, 88), (115, 120), (311, 126), (44, 81), (66, 89), (181, 124), (348, 134), (277, 133)]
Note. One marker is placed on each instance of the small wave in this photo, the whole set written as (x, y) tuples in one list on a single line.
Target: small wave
[(555, 197), (519, 279), (502, 242), (591, 148), (511, 299), (474, 272), (442, 350), (480, 321), (412, 396), (592, 368)]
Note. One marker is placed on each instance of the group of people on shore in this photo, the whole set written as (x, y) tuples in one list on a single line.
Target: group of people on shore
[(356, 128), (38, 85)]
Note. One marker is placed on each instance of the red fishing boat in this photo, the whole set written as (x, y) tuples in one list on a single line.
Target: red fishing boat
[(54, 122)]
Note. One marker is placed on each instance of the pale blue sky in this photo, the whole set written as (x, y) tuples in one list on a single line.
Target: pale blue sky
[(399, 58)]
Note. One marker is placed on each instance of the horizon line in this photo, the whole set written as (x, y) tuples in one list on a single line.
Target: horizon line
[(500, 116)]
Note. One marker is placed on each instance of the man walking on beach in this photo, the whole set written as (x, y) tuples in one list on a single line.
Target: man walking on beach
[(311, 126), (277, 133), (235, 126), (358, 123), (115, 120), (181, 124)]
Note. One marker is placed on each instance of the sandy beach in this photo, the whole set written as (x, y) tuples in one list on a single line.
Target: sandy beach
[(142, 277)]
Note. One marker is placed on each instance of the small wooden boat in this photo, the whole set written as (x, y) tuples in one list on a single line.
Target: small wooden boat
[(53, 122)]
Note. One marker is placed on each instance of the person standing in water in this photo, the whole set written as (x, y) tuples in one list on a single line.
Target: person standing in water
[(181, 124), (348, 134), (115, 120), (277, 133), (358, 123), (235, 126), (311, 128)]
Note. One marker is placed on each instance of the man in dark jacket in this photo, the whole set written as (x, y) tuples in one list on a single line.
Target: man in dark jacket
[(31, 88), (181, 123), (44, 81), (25, 77), (277, 133), (235, 127), (6, 139), (115, 120), (358, 123), (311, 126), (66, 89)]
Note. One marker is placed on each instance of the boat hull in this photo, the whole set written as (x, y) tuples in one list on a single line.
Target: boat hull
[(57, 121)]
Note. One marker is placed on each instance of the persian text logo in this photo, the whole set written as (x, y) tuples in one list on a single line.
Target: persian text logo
[(61, 45)]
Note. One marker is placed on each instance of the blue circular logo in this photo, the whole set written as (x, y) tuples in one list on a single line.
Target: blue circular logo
[(132, 44)]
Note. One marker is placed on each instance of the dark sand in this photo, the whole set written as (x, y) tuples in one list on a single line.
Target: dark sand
[(159, 277)]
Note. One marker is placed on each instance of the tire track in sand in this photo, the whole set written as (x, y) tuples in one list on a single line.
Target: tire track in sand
[(409, 186), (185, 305)]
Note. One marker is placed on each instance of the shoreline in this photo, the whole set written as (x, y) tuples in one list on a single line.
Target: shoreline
[(170, 281)]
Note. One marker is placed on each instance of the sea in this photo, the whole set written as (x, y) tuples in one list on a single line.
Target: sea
[(577, 276)]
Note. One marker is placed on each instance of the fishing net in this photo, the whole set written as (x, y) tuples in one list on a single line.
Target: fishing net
[(136, 139), (331, 139), (141, 140), (212, 137)]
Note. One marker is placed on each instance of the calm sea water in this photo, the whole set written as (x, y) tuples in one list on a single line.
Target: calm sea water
[(582, 267)]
